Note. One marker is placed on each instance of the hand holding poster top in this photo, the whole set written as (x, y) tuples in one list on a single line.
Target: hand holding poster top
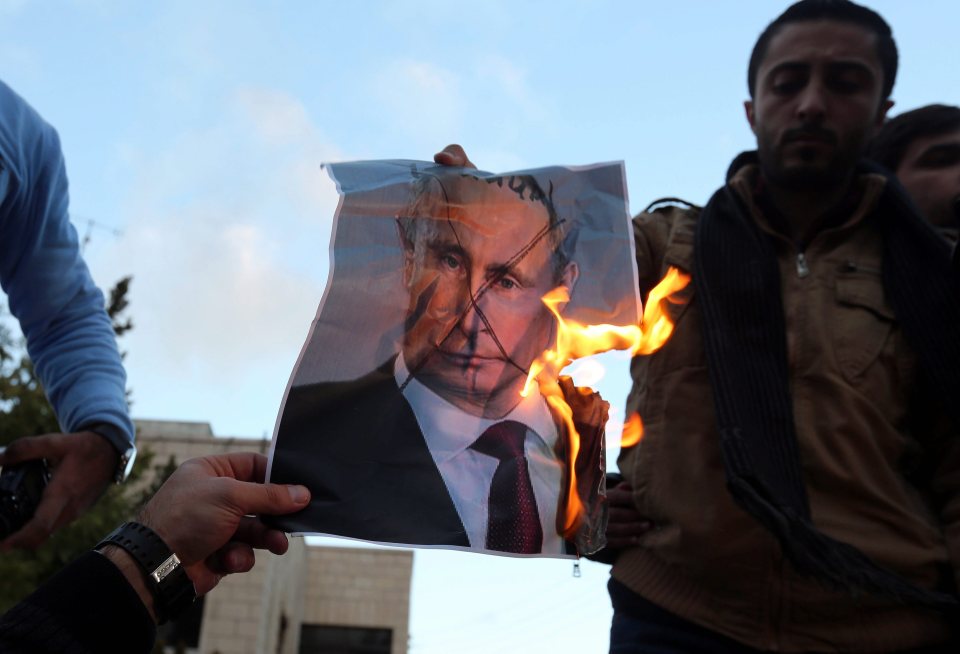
[(416, 414)]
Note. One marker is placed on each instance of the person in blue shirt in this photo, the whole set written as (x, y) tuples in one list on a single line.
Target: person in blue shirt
[(69, 336)]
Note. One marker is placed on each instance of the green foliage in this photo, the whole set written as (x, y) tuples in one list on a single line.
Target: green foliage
[(24, 411), (117, 304)]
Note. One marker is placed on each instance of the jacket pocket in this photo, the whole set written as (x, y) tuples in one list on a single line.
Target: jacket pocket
[(864, 320)]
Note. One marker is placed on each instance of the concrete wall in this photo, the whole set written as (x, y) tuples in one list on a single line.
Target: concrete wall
[(361, 587)]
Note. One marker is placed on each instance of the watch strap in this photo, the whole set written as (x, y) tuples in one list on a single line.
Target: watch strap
[(172, 589)]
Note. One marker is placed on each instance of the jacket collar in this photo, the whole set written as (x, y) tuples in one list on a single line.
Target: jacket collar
[(744, 177)]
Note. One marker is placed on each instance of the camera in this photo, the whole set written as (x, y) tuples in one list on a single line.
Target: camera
[(21, 486)]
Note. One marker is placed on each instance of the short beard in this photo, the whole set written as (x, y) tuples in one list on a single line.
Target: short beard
[(806, 179)]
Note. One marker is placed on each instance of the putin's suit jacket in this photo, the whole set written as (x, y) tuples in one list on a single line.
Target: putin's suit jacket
[(358, 447)]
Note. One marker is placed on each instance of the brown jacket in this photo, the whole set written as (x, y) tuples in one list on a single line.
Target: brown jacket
[(853, 382)]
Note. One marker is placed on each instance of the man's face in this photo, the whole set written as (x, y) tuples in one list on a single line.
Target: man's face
[(930, 171), (476, 321), (817, 102)]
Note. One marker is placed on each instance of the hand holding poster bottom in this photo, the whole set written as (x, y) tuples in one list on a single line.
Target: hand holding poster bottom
[(450, 291)]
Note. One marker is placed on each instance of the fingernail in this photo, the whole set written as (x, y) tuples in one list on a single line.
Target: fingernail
[(299, 494)]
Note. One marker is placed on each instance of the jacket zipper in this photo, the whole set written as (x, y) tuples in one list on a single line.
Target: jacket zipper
[(802, 268)]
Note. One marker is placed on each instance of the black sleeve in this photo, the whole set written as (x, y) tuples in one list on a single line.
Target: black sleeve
[(86, 608)]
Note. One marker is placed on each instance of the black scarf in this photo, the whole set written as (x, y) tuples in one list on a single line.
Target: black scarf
[(738, 284)]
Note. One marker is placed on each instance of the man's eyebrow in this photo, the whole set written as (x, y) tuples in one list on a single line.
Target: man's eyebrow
[(439, 244), (790, 67), (852, 65), (940, 149), (497, 271), (840, 66)]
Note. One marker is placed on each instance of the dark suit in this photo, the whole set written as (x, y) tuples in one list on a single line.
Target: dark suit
[(358, 447)]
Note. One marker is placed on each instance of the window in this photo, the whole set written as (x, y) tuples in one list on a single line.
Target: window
[(326, 639)]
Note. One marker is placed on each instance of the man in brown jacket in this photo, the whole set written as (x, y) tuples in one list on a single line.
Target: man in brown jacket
[(800, 378), (797, 487)]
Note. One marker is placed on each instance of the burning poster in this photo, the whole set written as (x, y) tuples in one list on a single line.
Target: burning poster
[(426, 407)]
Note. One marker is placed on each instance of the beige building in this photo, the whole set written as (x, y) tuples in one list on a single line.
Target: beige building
[(312, 600)]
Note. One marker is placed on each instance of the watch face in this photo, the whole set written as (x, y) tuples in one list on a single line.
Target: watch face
[(126, 464)]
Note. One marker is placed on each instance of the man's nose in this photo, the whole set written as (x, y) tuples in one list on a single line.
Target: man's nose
[(812, 102), (472, 302)]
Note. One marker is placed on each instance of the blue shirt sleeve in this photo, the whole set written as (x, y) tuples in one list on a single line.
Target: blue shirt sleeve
[(61, 311)]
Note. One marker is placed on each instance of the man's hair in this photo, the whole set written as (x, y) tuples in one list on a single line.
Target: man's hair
[(896, 135), (434, 188), (841, 11)]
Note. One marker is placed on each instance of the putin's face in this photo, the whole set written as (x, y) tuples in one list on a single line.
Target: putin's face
[(476, 266)]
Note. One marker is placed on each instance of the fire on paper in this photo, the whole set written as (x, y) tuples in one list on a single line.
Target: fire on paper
[(427, 406)]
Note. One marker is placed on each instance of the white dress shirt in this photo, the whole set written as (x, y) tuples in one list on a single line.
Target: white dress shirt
[(450, 432)]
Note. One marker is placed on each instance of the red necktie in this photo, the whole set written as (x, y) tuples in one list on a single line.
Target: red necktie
[(513, 523)]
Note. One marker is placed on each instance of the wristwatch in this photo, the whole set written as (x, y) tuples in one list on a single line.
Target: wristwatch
[(125, 464), (173, 592), (126, 450)]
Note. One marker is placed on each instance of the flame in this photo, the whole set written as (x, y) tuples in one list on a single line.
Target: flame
[(632, 431), (574, 507), (657, 326), (574, 341)]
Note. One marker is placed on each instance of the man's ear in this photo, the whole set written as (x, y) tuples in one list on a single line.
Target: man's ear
[(749, 109), (567, 281), (569, 277), (885, 107)]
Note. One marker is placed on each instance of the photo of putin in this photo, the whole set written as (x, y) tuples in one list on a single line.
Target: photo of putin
[(437, 445)]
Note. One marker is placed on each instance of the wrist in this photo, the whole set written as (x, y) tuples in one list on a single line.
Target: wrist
[(122, 446), (145, 516), (160, 568), (134, 574)]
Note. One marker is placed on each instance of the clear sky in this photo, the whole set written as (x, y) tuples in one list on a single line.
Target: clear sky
[(194, 132)]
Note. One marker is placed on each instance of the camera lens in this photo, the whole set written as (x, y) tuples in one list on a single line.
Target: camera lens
[(21, 487)]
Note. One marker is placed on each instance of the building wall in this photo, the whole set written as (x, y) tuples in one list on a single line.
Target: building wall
[(261, 611), (283, 608), (258, 611), (186, 440), (361, 587)]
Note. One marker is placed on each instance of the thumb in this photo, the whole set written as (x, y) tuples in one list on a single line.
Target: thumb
[(453, 155), (270, 499)]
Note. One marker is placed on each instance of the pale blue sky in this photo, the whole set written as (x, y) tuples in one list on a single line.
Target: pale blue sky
[(197, 130)]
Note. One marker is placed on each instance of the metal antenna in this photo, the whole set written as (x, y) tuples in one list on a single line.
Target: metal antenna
[(94, 224)]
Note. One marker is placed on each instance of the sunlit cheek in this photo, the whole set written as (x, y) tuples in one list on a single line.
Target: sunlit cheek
[(440, 306), (534, 332), (545, 330), (437, 297), (526, 301)]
